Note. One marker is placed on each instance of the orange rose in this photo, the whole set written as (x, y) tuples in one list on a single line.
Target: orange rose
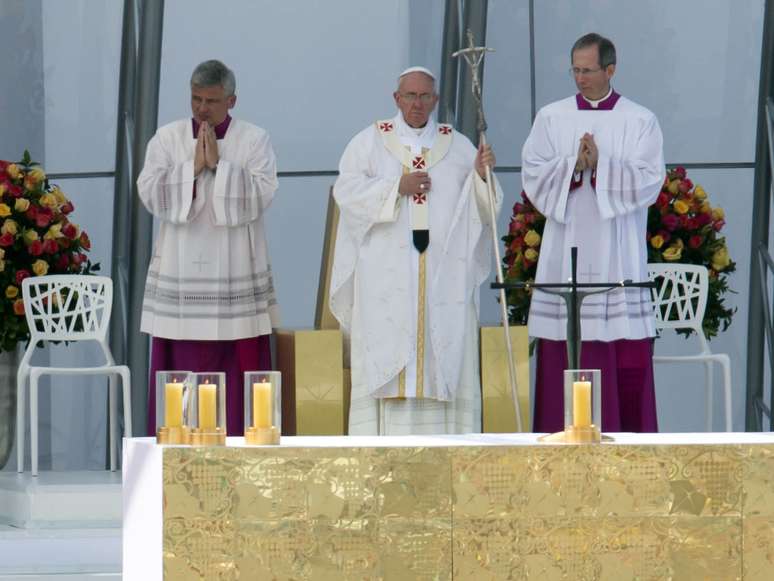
[(18, 307), (13, 171), (657, 241)]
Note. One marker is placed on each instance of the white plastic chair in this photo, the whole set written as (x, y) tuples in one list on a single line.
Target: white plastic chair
[(67, 308), (679, 302)]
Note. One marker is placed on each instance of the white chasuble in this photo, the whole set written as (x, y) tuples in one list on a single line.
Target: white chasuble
[(607, 220), (209, 277), (426, 370)]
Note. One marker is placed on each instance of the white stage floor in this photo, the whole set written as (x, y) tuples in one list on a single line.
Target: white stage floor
[(60, 525)]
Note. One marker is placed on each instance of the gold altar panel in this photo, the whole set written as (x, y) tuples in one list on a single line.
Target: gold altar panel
[(497, 404), (319, 513)]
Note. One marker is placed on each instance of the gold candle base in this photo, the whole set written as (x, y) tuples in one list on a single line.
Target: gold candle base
[(208, 437), (176, 435), (576, 435), (262, 436)]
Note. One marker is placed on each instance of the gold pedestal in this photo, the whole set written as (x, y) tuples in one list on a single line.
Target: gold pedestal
[(499, 415), (262, 436), (179, 435), (577, 435), (200, 437)]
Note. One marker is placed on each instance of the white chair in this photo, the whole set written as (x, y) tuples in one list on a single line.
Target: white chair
[(679, 302), (67, 308)]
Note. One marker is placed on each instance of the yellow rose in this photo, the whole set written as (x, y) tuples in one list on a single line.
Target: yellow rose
[(13, 171), (718, 213), (721, 259), (681, 207), (9, 227), (531, 254), (30, 236), (37, 174), (657, 241), (672, 253), (40, 267), (699, 193), (532, 238), (5, 210), (674, 186), (11, 292), (59, 195), (55, 231), (21, 204), (705, 207), (48, 200)]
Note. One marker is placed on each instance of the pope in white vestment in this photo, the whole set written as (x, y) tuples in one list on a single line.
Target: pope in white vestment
[(410, 312), (209, 297), (592, 165)]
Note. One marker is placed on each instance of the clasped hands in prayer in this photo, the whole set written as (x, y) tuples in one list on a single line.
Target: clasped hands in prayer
[(419, 182), (588, 154), (206, 149)]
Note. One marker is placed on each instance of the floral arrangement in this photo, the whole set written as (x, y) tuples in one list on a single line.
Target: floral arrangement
[(682, 227), (36, 238)]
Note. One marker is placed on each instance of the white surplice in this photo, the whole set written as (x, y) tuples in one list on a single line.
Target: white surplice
[(374, 282), (607, 222), (209, 277)]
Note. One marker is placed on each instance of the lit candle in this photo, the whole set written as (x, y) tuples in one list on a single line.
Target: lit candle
[(262, 404), (173, 404), (581, 404), (207, 407)]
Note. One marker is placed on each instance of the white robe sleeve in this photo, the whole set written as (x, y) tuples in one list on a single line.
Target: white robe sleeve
[(166, 185), (481, 193), (242, 193), (546, 174), (632, 182), (364, 199)]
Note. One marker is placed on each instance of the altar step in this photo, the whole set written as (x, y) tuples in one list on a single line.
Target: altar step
[(60, 526)]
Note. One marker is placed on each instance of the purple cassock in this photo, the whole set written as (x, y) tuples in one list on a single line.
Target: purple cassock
[(232, 357), (628, 389)]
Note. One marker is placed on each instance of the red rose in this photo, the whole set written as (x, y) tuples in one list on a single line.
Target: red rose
[(43, 217), (513, 228), (64, 243), (665, 235), (530, 217), (719, 225), (685, 185), (67, 208), (36, 248), (704, 218), (695, 241), (691, 224), (3, 165), (670, 222), (32, 213), (518, 208), (663, 200), (15, 191), (6, 239), (517, 243), (18, 307), (50, 246), (684, 220), (62, 262), (21, 275), (70, 231), (680, 172), (85, 241)]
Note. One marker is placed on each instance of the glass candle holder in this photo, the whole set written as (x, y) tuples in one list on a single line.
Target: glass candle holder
[(263, 407), (208, 407), (583, 405), (173, 394)]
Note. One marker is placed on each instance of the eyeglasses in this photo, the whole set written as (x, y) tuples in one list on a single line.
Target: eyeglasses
[(424, 98), (576, 72)]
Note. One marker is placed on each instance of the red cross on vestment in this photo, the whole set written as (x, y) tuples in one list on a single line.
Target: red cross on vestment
[(418, 162), (445, 129), (386, 127), (420, 199)]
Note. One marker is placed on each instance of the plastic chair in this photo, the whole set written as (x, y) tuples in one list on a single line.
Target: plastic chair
[(67, 308), (679, 302)]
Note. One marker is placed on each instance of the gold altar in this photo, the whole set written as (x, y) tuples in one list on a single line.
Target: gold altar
[(492, 507)]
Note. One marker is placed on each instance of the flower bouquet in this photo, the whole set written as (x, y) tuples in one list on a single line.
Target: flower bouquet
[(36, 238), (682, 227)]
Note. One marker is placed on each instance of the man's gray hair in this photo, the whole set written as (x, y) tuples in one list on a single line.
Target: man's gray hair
[(604, 45), (212, 73)]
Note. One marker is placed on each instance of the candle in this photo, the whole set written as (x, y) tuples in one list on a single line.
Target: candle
[(581, 404), (173, 404), (207, 406), (262, 404)]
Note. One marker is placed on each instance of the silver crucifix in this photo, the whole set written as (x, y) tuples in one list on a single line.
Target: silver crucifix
[(474, 56)]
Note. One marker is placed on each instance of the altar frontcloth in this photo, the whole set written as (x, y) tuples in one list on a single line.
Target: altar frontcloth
[(489, 506)]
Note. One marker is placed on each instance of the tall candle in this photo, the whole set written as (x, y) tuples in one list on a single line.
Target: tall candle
[(173, 404), (262, 404), (581, 404), (207, 406)]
